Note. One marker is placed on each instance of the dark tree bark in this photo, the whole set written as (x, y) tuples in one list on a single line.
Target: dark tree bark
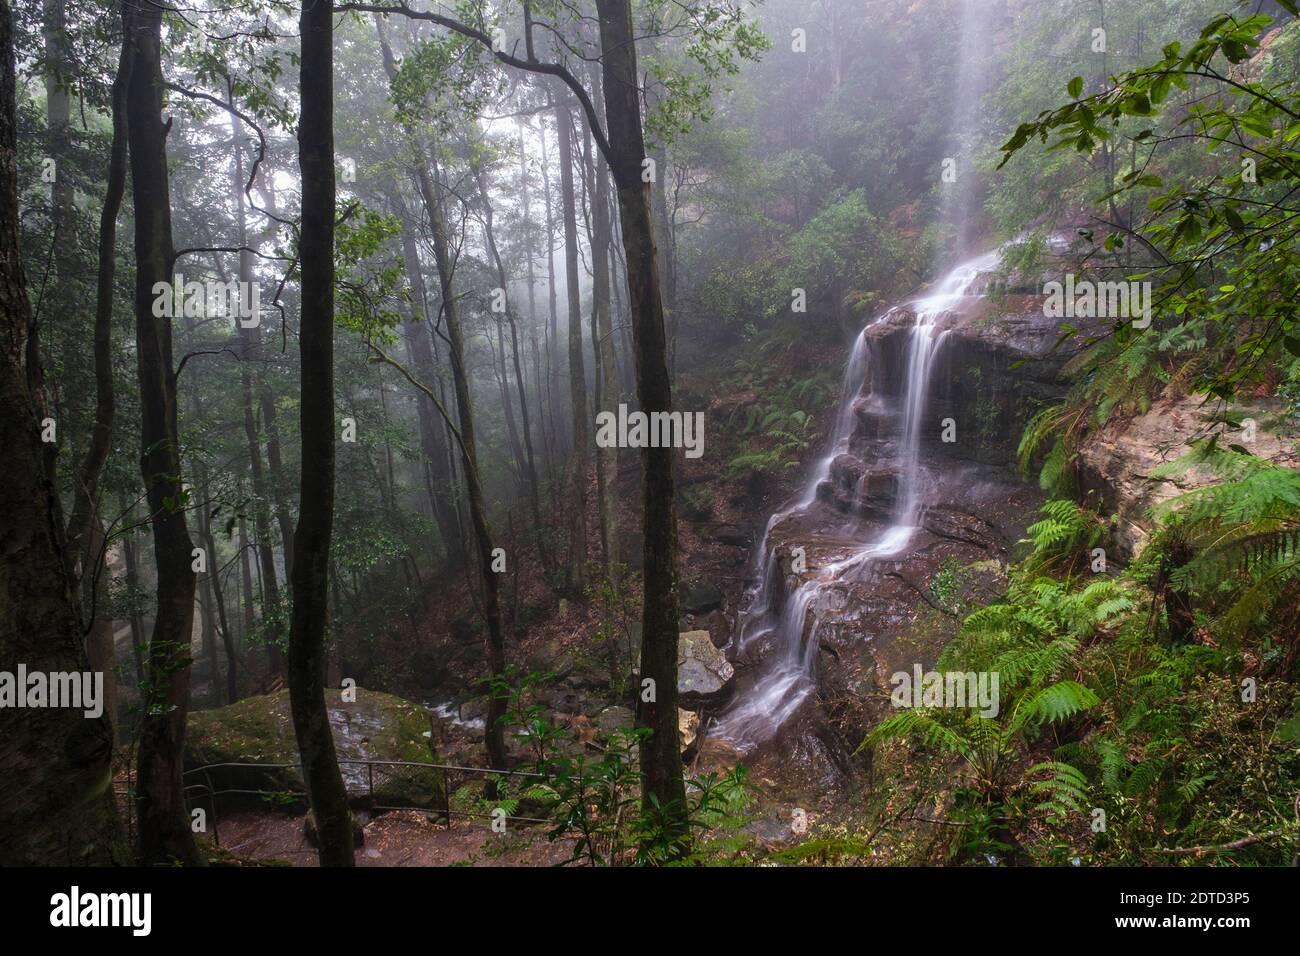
[(86, 499), (136, 619), (85, 525), (164, 823), (661, 761), (329, 801), (56, 785)]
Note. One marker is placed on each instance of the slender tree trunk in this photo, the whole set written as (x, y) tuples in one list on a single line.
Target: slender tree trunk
[(275, 476), (133, 584), (602, 344), (663, 790), (530, 272), (433, 433), (529, 463), (498, 349), (85, 509), (659, 206), (494, 729), (433, 436), (250, 340), (58, 112), (101, 654), (246, 577), (56, 789), (577, 371), (552, 330), (223, 615), (85, 526), (329, 799), (164, 822)]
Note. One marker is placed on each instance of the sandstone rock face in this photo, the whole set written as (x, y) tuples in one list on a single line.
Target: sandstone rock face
[(1116, 463), (995, 367), (703, 673)]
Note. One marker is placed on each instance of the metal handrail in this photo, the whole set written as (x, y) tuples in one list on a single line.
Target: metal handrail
[(446, 810), (385, 763)]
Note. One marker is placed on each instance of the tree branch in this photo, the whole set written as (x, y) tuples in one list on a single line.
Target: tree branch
[(473, 33)]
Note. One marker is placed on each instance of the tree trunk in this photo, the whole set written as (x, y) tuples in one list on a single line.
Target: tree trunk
[(602, 345), (85, 509), (432, 432), (100, 649), (246, 579), (577, 372), (56, 789), (250, 341), (164, 822), (329, 800), (494, 729), (133, 585), (553, 320), (223, 616), (530, 464), (661, 761), (662, 224)]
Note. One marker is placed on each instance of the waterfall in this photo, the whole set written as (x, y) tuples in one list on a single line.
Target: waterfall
[(785, 672), (786, 676)]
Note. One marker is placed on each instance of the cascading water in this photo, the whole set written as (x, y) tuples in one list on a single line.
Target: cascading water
[(783, 631), (786, 676)]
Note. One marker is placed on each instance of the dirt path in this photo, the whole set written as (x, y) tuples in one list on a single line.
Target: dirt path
[(401, 838)]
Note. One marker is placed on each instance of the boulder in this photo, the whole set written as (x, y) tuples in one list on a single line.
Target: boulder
[(259, 731), (688, 727), (703, 674)]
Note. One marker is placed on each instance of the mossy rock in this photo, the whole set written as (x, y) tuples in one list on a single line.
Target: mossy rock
[(259, 730)]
